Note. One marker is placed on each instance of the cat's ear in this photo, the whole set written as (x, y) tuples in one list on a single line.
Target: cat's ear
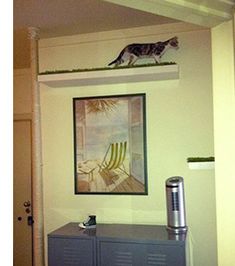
[(174, 39)]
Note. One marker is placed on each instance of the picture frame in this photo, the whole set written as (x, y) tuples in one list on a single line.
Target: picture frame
[(110, 155)]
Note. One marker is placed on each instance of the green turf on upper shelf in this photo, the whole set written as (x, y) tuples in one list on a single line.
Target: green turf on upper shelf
[(48, 72)]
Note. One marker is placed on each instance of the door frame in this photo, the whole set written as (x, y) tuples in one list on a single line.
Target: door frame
[(21, 118)]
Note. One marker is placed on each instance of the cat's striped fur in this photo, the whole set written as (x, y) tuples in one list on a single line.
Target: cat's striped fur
[(135, 51)]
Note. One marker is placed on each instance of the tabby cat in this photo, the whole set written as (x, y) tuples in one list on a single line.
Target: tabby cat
[(135, 51)]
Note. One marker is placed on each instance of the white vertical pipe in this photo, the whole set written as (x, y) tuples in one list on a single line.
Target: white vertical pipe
[(37, 188)]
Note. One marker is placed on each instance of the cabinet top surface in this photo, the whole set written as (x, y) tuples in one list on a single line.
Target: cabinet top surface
[(121, 231)]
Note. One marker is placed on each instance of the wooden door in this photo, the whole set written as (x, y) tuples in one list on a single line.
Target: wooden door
[(22, 211)]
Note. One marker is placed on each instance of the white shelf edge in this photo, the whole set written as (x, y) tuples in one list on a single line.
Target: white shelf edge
[(201, 165), (165, 72)]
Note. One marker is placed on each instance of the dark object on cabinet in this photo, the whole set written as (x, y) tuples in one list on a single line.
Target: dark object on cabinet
[(116, 244)]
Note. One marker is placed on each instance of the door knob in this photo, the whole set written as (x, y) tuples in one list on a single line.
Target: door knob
[(27, 203)]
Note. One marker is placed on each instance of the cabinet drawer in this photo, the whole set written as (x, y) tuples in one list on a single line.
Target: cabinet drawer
[(139, 254), (71, 252)]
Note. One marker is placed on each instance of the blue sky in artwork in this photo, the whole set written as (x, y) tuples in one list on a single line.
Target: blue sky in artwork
[(105, 128)]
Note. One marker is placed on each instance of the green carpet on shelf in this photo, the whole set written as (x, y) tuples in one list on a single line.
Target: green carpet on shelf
[(48, 72)]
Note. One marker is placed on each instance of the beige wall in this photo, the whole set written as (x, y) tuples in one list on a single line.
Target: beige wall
[(21, 49), (179, 125), (224, 121), (22, 102)]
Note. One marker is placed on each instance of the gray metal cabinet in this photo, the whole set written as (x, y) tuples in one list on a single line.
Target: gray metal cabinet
[(71, 246), (129, 253), (115, 245)]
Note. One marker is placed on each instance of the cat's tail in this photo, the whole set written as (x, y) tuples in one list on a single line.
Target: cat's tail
[(114, 62), (118, 60)]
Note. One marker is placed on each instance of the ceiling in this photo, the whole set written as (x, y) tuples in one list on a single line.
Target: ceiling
[(68, 17)]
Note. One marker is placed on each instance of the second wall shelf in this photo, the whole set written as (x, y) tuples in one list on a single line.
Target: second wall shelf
[(201, 165), (111, 76)]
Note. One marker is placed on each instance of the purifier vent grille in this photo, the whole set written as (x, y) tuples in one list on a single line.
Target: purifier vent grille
[(175, 201)]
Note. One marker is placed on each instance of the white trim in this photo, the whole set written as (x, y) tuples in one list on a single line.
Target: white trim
[(113, 76), (227, 2), (199, 14), (201, 165)]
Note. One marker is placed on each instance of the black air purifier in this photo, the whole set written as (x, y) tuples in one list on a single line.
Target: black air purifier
[(176, 220)]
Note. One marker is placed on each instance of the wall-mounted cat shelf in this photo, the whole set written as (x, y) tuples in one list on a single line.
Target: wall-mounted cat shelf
[(111, 76), (201, 163)]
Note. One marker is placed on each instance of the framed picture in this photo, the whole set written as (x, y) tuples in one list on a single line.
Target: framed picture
[(110, 145)]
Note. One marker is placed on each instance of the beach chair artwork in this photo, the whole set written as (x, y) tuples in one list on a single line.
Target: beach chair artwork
[(110, 145), (113, 161)]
